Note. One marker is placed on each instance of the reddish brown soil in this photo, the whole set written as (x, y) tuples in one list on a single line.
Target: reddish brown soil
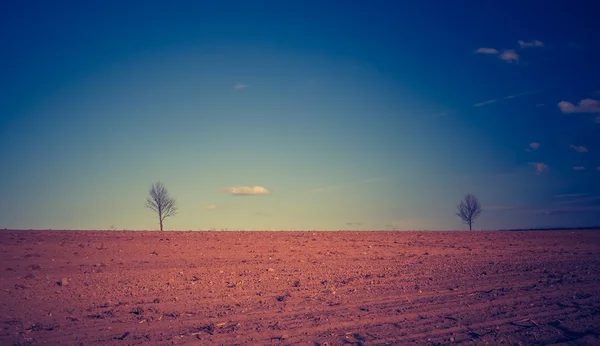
[(324, 288)]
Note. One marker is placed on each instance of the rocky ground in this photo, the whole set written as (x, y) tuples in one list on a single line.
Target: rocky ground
[(309, 288)]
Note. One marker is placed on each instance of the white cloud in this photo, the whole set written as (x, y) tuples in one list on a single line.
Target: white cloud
[(486, 51), (584, 106), (210, 207), (579, 149), (578, 168), (246, 190), (531, 44), (485, 103), (534, 145), (240, 85), (540, 167), (509, 55)]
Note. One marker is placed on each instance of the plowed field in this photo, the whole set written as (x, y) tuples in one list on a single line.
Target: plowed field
[(306, 288)]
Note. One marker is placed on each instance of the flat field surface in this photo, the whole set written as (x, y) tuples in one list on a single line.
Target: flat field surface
[(305, 288)]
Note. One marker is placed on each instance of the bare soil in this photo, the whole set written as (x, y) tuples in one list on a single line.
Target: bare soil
[(306, 288)]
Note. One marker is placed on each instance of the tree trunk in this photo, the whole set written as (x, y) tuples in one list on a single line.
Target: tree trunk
[(469, 227), (161, 225)]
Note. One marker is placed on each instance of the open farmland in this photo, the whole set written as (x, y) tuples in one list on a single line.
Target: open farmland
[(310, 288)]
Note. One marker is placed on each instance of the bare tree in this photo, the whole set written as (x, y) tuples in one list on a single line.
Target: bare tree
[(469, 209), (159, 201)]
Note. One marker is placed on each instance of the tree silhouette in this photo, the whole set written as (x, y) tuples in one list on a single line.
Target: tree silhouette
[(469, 209), (159, 201)]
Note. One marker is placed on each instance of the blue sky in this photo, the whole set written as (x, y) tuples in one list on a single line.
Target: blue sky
[(299, 114)]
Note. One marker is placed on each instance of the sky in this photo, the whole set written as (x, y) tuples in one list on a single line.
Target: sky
[(299, 115)]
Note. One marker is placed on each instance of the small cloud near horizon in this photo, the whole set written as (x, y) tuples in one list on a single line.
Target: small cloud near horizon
[(240, 85), (354, 223), (246, 190), (578, 168), (579, 149), (210, 207), (584, 106), (540, 167), (533, 146), (531, 44)]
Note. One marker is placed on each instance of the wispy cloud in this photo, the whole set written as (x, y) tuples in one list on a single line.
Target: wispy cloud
[(571, 210), (240, 85), (246, 190), (540, 167), (485, 103), (522, 94), (578, 168), (578, 148), (210, 207), (354, 223), (531, 44), (486, 51), (509, 55), (567, 204), (572, 195), (584, 106)]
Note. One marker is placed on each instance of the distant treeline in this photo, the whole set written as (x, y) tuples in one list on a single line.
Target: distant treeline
[(554, 229)]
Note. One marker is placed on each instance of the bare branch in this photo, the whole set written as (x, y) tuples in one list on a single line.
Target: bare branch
[(160, 202)]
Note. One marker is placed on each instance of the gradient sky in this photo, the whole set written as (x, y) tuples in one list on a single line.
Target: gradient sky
[(299, 114)]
